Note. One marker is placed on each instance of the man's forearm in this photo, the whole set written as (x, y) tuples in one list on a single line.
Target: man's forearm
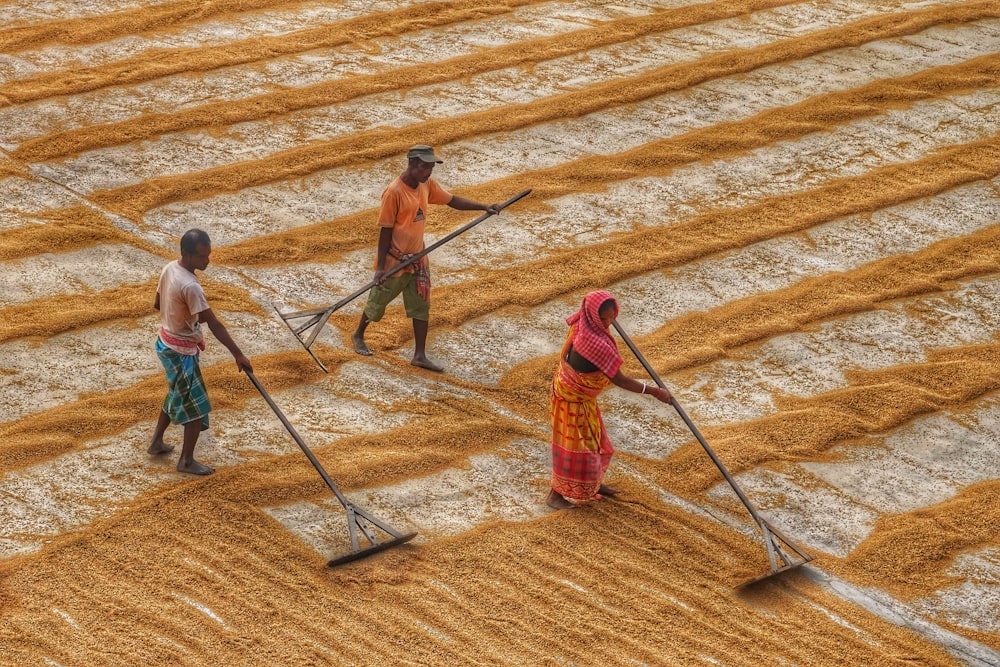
[(384, 241), (463, 204), (222, 335)]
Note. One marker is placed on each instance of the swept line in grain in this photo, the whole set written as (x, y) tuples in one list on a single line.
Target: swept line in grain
[(804, 428), (701, 338), (60, 430), (328, 241), (230, 112), (98, 597), (910, 554), (63, 230), (8, 168), (706, 337), (72, 573), (49, 316), (106, 27), (711, 622), (657, 248), (451, 429), (392, 456), (202, 59), (719, 140)]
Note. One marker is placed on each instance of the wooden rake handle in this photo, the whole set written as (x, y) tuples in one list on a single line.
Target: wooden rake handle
[(694, 429), (298, 439), (324, 313), (352, 510), (319, 316), (769, 532)]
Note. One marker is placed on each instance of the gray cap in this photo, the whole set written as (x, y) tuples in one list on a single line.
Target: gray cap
[(425, 153)]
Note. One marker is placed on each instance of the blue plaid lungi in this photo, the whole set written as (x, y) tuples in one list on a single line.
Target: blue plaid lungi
[(187, 398)]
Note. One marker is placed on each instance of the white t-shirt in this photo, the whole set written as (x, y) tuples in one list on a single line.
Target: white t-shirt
[(181, 299)]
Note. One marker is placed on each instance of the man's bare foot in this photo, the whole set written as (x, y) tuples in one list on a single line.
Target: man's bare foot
[(424, 362), (557, 502), (194, 468), (159, 447), (608, 490), (359, 345)]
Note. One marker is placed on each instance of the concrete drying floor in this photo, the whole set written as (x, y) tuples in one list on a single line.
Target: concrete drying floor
[(796, 204)]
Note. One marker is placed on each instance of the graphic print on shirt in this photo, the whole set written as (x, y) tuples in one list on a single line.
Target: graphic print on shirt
[(420, 215)]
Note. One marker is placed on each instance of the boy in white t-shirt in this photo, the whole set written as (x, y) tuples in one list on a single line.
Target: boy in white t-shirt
[(183, 308)]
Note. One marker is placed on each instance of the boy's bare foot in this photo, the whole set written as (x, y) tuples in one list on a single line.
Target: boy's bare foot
[(557, 502), (359, 345), (194, 468), (159, 447), (608, 490), (424, 362)]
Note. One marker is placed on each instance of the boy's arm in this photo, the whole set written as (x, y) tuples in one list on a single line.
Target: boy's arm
[(222, 334)]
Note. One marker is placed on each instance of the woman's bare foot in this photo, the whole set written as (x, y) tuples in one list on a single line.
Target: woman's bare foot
[(608, 490), (557, 502), (424, 362), (194, 468), (359, 345), (159, 447)]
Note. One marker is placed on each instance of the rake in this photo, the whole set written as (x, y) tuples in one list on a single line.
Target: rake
[(779, 559), (317, 317), (357, 518)]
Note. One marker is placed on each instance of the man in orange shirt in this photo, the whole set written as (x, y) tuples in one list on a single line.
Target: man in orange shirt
[(401, 219)]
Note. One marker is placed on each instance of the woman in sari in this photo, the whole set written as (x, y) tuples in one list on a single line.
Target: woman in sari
[(581, 450)]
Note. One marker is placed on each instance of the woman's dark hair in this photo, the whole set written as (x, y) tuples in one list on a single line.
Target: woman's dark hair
[(606, 304)]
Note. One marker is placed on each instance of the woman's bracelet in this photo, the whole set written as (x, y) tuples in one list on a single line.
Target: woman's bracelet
[(644, 388)]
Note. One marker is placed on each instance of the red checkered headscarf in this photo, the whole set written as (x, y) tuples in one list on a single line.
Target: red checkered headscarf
[(591, 339)]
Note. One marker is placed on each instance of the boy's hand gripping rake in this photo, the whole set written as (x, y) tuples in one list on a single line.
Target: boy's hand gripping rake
[(778, 557), (317, 317), (355, 514)]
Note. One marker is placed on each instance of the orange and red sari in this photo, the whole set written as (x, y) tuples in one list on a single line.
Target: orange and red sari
[(581, 450)]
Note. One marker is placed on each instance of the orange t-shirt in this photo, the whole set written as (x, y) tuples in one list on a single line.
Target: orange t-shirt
[(404, 209)]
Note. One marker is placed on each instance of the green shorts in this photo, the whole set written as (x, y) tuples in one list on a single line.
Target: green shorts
[(380, 296)]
